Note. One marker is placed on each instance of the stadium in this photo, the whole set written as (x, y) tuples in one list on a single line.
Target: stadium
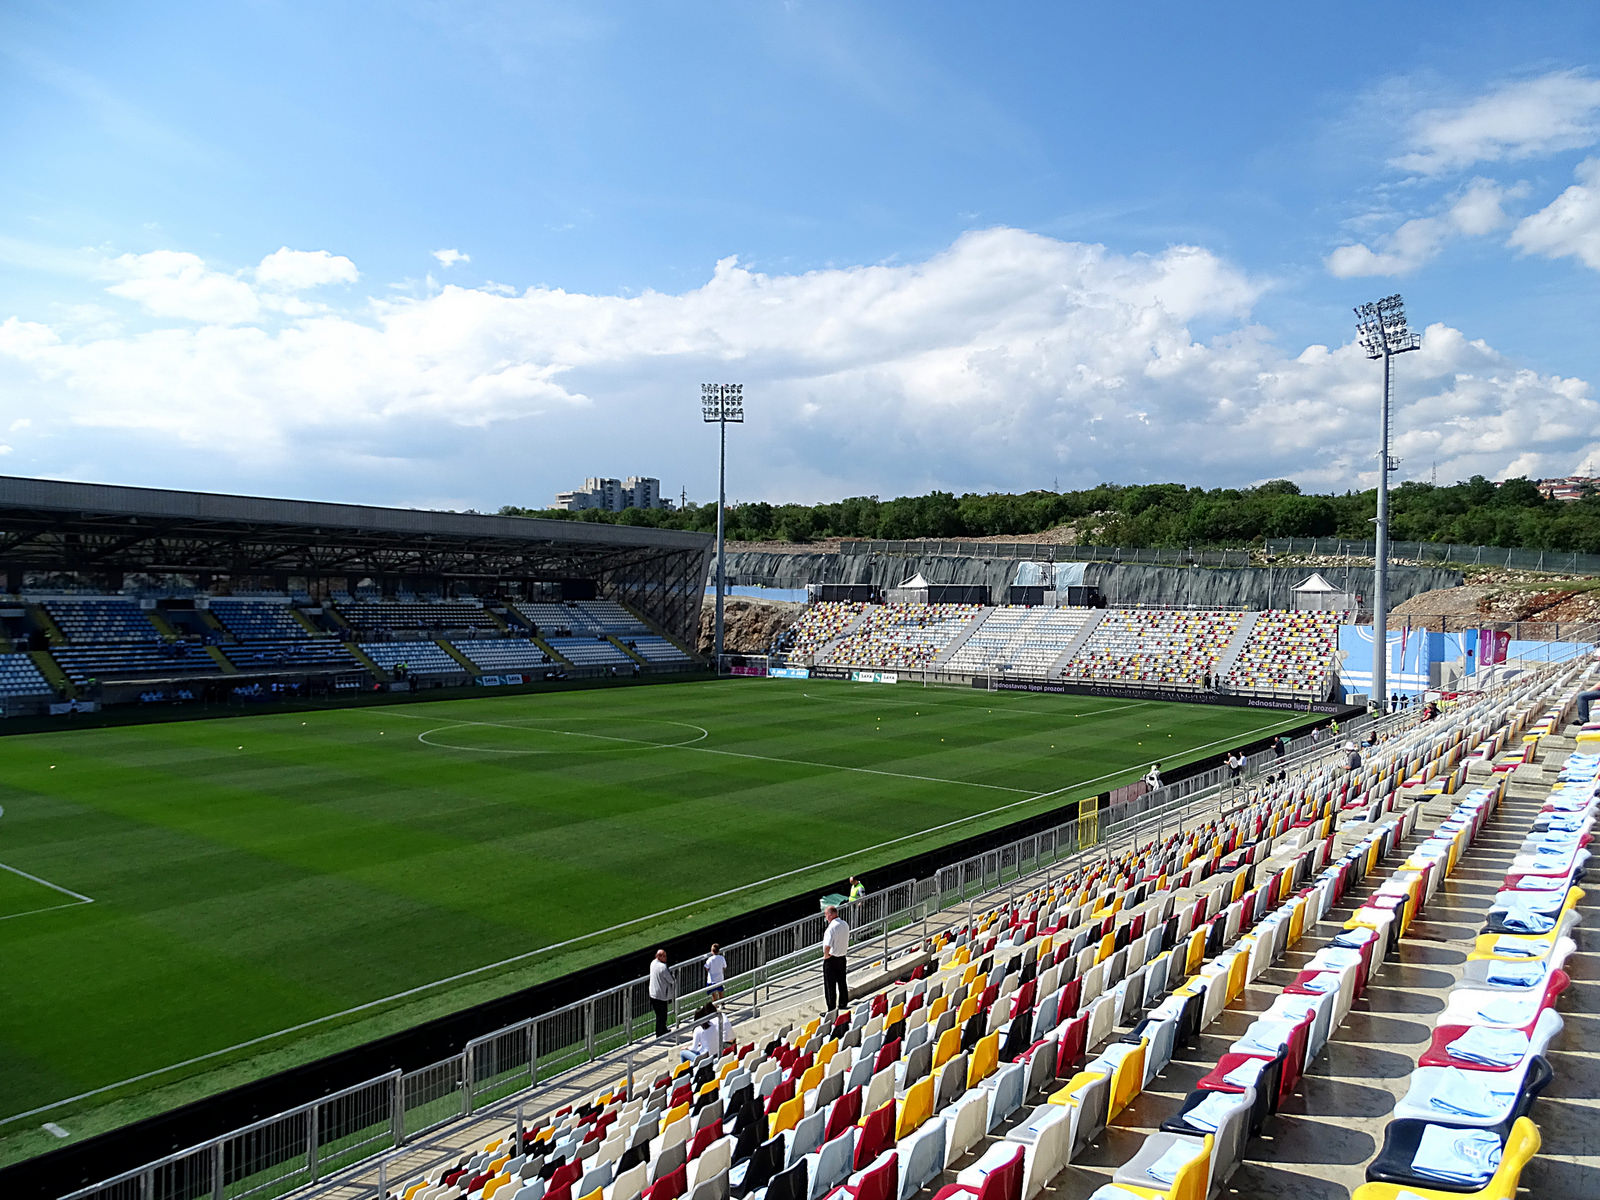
[(798, 601), (349, 830)]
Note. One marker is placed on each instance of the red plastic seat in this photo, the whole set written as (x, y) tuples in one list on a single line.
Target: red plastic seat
[(669, 1187), (1002, 1183), (888, 1053), (876, 1135), (881, 1182), (846, 1111)]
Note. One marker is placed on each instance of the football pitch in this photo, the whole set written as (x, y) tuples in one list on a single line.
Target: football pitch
[(188, 905)]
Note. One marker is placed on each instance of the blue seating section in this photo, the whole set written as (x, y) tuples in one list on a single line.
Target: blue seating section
[(608, 616), (589, 652), (258, 620), (20, 677), (105, 663), (421, 658), (658, 650), (505, 654), (102, 622), (367, 616), (289, 654)]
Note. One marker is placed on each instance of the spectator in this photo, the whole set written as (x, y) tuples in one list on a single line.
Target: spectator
[(1280, 745), (707, 1039), (835, 947), (662, 990), (716, 971), (1153, 779), (1352, 754), (1236, 763)]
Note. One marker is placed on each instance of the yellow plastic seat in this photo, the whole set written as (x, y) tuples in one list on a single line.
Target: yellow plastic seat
[(1197, 951), (947, 1047), (965, 1013), (1521, 1145), (1190, 1183), (937, 1009), (985, 1059), (1127, 1079), (494, 1185), (674, 1114), (829, 1049), (916, 1108), (1236, 975), (787, 1116), (811, 1078)]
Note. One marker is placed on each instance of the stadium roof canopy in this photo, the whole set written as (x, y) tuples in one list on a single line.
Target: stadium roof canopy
[(103, 531)]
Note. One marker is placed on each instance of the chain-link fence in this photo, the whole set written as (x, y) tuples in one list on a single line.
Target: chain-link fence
[(1045, 552), (1442, 552)]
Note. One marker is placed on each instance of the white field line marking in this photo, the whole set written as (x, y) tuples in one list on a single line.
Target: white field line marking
[(798, 762), (77, 897), (604, 737), (1043, 712), (516, 958)]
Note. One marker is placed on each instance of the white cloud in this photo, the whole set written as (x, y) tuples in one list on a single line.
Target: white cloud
[(449, 258), (296, 270), (1003, 361), (1475, 212), (1569, 224), (1525, 119), (173, 283)]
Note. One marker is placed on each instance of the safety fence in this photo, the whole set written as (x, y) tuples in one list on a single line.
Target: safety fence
[(495, 1073), (1044, 552), (1442, 552)]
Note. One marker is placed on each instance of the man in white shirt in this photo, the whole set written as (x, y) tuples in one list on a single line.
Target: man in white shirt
[(835, 946), (1153, 780), (706, 1040), (716, 972), (662, 989)]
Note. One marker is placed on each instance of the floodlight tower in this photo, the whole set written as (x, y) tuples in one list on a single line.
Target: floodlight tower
[(1381, 329), (720, 404)]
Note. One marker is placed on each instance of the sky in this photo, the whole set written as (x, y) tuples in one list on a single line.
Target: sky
[(459, 255)]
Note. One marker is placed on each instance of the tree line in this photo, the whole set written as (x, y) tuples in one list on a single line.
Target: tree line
[(1158, 515)]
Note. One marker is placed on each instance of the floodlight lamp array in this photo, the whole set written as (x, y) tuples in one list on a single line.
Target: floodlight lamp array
[(722, 402), (1381, 327)]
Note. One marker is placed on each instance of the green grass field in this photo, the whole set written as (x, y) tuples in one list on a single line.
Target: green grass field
[(255, 874)]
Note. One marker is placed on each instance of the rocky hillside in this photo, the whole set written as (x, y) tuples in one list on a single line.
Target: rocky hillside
[(749, 626), (1541, 604)]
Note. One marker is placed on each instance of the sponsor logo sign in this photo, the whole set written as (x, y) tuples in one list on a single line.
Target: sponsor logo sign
[(788, 673), (490, 680), (758, 670), (874, 677), (1116, 692), (829, 673)]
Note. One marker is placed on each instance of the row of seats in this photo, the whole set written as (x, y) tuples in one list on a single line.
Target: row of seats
[(905, 636), (366, 616), (817, 625), (505, 654), (420, 658), (880, 1101), (1026, 641), (589, 652), (258, 620), (1463, 1124), (20, 676), (1288, 652), (1166, 646), (102, 621), (653, 648)]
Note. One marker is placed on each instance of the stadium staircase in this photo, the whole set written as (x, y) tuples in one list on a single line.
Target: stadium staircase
[(467, 665), (310, 625), (633, 654), (331, 611), (555, 655), (499, 621), (1076, 643), (1230, 655), (360, 656), (52, 672), (5, 643), (210, 621), (47, 623), (221, 659), (960, 640), (163, 626)]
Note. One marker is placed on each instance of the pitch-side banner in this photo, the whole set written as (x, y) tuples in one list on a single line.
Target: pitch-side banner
[(788, 673), (874, 677)]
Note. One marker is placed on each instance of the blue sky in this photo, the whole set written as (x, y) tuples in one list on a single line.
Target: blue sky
[(465, 254)]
